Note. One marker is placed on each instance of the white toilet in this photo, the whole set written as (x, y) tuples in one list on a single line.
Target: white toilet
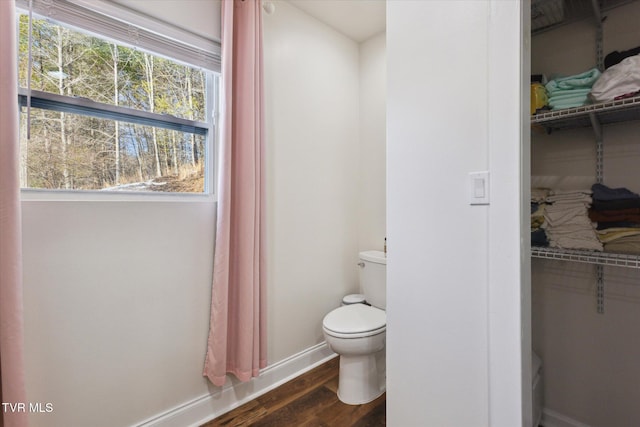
[(357, 332)]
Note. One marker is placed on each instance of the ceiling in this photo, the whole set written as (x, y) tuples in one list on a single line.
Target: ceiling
[(356, 19)]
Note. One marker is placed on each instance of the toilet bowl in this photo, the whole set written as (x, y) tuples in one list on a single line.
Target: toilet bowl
[(357, 331), (358, 334)]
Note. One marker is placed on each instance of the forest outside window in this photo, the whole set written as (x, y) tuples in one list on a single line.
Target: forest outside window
[(103, 116)]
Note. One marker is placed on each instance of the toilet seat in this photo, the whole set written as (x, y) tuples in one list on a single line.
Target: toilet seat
[(355, 321)]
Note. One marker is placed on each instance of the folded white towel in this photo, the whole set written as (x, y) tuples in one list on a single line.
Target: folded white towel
[(577, 198), (576, 243), (539, 195), (617, 80), (574, 214)]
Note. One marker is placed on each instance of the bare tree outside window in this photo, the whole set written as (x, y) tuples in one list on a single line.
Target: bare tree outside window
[(78, 149)]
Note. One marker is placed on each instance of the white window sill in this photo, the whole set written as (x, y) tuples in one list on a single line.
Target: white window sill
[(29, 194)]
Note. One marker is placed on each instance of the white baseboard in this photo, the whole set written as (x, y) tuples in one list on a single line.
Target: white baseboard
[(236, 393), (552, 418)]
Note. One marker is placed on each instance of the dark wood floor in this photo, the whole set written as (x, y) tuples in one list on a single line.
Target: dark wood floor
[(309, 400)]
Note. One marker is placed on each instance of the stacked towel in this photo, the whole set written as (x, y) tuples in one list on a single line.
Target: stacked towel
[(617, 81), (538, 235), (538, 206), (567, 223), (539, 195), (617, 212), (571, 91), (616, 57)]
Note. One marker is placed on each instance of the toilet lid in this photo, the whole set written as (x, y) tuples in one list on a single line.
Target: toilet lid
[(355, 319)]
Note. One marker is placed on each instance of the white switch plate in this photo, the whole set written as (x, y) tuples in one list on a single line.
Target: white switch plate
[(478, 188)]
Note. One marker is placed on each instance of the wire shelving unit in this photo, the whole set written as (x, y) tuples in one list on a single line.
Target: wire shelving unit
[(588, 257)]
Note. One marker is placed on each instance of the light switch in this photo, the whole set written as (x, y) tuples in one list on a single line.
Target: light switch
[(479, 188)]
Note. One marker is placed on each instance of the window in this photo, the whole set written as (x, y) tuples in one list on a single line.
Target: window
[(98, 114)]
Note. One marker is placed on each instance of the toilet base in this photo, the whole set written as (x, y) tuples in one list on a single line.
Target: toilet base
[(362, 378)]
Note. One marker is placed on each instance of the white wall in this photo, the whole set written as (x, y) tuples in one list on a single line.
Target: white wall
[(454, 270), (311, 76), (590, 360), (117, 294), (373, 137), (116, 307), (437, 287)]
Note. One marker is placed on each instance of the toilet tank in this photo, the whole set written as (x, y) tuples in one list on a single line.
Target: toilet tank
[(373, 277)]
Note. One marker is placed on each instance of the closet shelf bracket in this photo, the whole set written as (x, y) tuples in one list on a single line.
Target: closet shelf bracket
[(595, 124), (600, 289), (596, 11), (597, 14)]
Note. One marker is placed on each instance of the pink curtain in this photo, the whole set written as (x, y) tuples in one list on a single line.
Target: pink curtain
[(237, 338), (11, 337)]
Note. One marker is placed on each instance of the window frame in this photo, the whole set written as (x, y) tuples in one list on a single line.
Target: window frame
[(110, 17)]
